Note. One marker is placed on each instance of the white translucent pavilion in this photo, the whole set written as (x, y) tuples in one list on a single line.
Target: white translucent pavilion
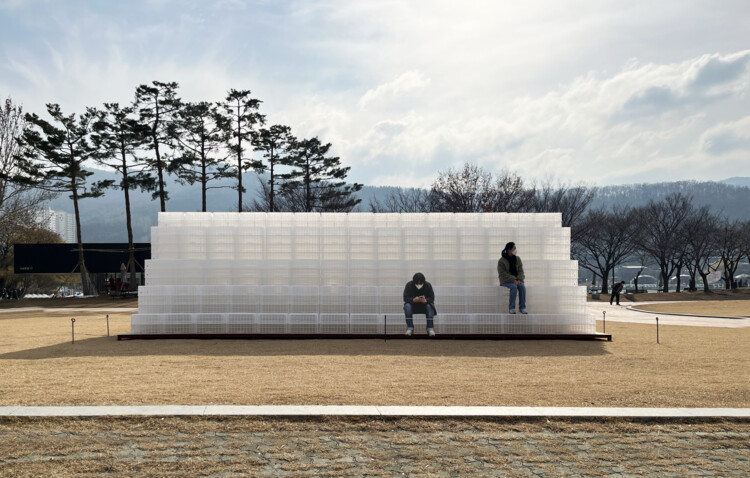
[(321, 274)]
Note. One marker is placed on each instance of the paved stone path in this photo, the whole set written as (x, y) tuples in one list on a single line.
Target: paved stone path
[(371, 447), (624, 314)]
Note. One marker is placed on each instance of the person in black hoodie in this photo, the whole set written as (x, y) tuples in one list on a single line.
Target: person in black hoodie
[(616, 289), (419, 298), (511, 275)]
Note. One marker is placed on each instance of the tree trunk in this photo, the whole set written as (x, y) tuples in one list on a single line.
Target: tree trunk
[(239, 161), (204, 181), (605, 282), (704, 278), (85, 283), (679, 279), (271, 181), (129, 222), (160, 174)]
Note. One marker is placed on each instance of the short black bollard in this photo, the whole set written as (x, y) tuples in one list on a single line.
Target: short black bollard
[(657, 330), (73, 329), (107, 325), (605, 321)]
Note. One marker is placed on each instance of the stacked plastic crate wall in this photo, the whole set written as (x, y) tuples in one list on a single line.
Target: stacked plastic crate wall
[(344, 273)]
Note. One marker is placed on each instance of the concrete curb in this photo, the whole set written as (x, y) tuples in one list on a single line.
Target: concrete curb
[(369, 410), (634, 309)]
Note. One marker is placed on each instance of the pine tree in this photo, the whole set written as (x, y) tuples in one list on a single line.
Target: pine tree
[(157, 106), (319, 179), (54, 157), (199, 135), (118, 137), (241, 119), (275, 143)]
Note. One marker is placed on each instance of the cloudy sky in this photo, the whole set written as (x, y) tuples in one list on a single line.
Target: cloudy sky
[(607, 92)]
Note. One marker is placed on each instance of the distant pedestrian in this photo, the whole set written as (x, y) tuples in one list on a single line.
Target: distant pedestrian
[(616, 289)]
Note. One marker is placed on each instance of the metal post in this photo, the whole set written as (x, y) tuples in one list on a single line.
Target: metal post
[(73, 329), (107, 325), (385, 327), (605, 321), (657, 330)]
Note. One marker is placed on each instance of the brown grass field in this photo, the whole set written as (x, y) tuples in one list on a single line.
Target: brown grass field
[(693, 367), (724, 308)]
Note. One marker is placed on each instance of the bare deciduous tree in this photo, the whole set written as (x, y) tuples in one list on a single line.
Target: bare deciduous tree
[(611, 237), (405, 200), (474, 189), (659, 223)]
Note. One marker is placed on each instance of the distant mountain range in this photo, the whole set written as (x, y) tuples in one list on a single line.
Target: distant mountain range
[(103, 219)]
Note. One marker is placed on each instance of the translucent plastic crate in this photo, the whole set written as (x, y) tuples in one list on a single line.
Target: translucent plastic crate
[(391, 273), (303, 299), (334, 243), (210, 323), (365, 324), (247, 272), (333, 300), (449, 272), (147, 324), (186, 299), (306, 244), (302, 323), (304, 272), (335, 273), (333, 323), (454, 324), (245, 299), (279, 242), (216, 299), (274, 299), (277, 272), (179, 323), (451, 300), (364, 300), (241, 323), (362, 243), (486, 300), (488, 323), (271, 324), (363, 273), (391, 299), (417, 243)]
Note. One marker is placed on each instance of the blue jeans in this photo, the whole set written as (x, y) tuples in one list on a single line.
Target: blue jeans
[(428, 311), (516, 289)]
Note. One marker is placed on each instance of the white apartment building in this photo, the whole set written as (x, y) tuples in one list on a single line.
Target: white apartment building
[(60, 222)]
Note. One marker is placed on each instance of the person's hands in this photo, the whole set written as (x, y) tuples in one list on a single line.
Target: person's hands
[(518, 282)]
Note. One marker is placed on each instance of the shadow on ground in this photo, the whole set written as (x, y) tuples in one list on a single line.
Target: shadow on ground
[(110, 347)]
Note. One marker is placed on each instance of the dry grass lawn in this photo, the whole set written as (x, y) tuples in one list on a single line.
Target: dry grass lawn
[(693, 367), (727, 308)]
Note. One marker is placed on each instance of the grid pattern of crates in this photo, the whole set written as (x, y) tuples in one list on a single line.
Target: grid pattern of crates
[(246, 323), (344, 273)]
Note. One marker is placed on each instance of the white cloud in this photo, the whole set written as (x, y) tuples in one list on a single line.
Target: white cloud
[(606, 92), (406, 83), (727, 137)]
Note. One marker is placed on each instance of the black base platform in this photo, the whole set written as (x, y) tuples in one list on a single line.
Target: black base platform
[(597, 336)]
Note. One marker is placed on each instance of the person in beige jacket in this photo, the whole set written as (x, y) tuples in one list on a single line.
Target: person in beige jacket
[(511, 275)]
